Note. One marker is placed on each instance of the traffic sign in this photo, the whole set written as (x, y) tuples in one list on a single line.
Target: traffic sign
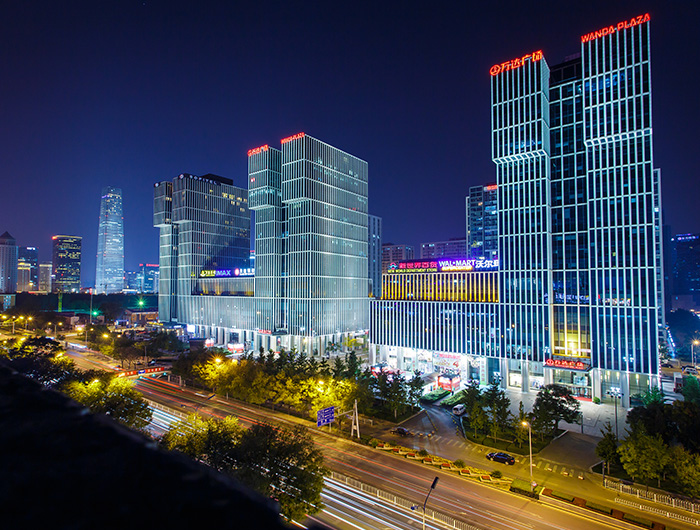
[(325, 416)]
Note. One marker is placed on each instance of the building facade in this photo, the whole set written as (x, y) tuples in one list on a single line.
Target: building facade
[(27, 269), (374, 259), (482, 222), (109, 273), (8, 264), (309, 287), (394, 253), (580, 272), (453, 248), (685, 271), (45, 274), (67, 259)]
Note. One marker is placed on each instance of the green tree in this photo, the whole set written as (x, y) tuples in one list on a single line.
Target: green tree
[(691, 389), (471, 394), (608, 445), (553, 404), (207, 439), (653, 395), (644, 457), (521, 431), (353, 365), (116, 398), (685, 470), (498, 404), (477, 417)]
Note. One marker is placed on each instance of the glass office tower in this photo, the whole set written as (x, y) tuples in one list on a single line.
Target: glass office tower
[(109, 272), (67, 258)]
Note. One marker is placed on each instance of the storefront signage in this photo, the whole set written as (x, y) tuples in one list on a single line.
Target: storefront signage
[(568, 365), (292, 137), (625, 24), (226, 273), (515, 63), (443, 265), (257, 150)]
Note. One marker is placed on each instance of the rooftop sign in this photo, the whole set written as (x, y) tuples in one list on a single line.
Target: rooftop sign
[(443, 265), (257, 150), (515, 63), (292, 137), (625, 24)]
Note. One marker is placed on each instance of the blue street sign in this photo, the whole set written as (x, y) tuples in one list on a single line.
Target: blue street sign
[(325, 416)]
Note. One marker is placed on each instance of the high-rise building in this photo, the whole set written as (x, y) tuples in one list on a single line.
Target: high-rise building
[(394, 253), (67, 258), (453, 248), (310, 283), (8, 264), (482, 222), (27, 269), (685, 259), (204, 226), (45, 273), (109, 273), (579, 285), (148, 276), (374, 260)]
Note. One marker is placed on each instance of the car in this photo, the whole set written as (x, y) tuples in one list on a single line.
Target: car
[(459, 409), (401, 431), (503, 458)]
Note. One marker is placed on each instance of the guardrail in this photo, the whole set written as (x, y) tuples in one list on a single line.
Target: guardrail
[(400, 501), (661, 498), (658, 511)]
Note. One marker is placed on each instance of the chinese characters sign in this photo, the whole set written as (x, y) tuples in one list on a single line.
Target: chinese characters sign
[(515, 63), (443, 265), (226, 273)]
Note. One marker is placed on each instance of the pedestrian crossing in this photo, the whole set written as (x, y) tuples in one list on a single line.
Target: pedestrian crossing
[(537, 463)]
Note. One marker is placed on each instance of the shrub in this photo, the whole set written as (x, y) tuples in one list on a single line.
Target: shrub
[(563, 496), (430, 397), (523, 488), (496, 474), (638, 520), (373, 442), (423, 453), (596, 400), (459, 463), (599, 508)]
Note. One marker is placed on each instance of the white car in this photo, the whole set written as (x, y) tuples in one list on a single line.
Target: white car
[(460, 409)]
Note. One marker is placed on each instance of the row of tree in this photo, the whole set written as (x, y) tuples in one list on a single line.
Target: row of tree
[(301, 382), (488, 411)]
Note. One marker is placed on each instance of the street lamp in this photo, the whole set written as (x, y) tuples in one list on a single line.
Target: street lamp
[(616, 393), (26, 324), (692, 350), (529, 433), (432, 487)]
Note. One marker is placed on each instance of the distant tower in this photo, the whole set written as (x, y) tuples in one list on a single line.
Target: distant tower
[(109, 275), (45, 272), (8, 263), (67, 256), (374, 260), (27, 269)]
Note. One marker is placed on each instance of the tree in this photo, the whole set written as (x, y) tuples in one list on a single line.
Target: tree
[(207, 439), (353, 365), (553, 404), (521, 432), (471, 394), (116, 398), (608, 445), (655, 395), (643, 456), (498, 404), (477, 417), (691, 389), (685, 470)]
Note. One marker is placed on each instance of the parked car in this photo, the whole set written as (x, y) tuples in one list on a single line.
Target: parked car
[(401, 431), (459, 409), (503, 458)]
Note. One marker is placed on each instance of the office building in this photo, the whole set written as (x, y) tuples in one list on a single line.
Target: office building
[(453, 248), (580, 272), (8, 264), (685, 270), (374, 259), (133, 280), (45, 273), (482, 222), (394, 253), (310, 283), (109, 273), (67, 259), (27, 269), (148, 277)]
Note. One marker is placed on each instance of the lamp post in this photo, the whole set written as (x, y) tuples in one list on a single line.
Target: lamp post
[(26, 324), (529, 435), (615, 393), (432, 487), (692, 350)]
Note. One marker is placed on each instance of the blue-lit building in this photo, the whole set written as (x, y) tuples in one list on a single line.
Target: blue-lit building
[(374, 259), (310, 283), (579, 296), (109, 270)]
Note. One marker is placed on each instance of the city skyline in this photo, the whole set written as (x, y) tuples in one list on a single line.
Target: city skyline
[(411, 110)]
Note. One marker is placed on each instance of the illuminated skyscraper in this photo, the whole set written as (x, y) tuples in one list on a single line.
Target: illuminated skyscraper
[(109, 273), (27, 269), (45, 272), (482, 222), (374, 260), (8, 264), (67, 257)]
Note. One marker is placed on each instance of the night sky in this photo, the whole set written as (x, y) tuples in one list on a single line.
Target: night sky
[(125, 94)]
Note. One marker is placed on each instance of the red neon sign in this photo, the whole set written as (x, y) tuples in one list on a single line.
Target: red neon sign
[(257, 150), (625, 24), (570, 365), (515, 63), (491, 187), (292, 137)]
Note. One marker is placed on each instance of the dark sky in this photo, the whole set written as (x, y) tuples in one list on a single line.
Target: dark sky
[(127, 93)]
